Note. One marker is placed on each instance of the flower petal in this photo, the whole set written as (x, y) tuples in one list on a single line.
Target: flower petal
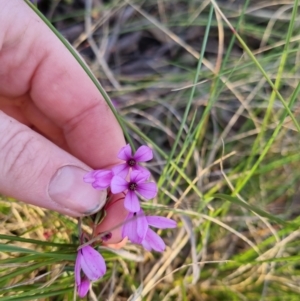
[(100, 179), (103, 174), (121, 170), (118, 184), (153, 241), (90, 176), (77, 268), (146, 245), (135, 227), (131, 202), (143, 154), (138, 176), (161, 222), (103, 179), (129, 227), (92, 263), (147, 190), (142, 169), (125, 153), (83, 287), (142, 225)]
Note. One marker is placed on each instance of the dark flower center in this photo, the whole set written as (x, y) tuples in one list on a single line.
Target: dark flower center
[(107, 236), (131, 162), (132, 186)]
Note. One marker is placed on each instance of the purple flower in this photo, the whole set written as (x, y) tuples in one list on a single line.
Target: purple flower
[(153, 241), (83, 287), (136, 228), (100, 178), (138, 183), (143, 154), (93, 266)]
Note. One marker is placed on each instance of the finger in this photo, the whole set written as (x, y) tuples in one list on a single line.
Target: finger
[(44, 125), (36, 171), (34, 61), (37, 121), (113, 222), (15, 112)]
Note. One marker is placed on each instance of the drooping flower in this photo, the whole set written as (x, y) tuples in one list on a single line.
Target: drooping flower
[(138, 183), (143, 154), (83, 287), (93, 266), (136, 228), (153, 241), (100, 179)]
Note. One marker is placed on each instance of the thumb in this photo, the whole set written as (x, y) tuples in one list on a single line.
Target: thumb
[(38, 172)]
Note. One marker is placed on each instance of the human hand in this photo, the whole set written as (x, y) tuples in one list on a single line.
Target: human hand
[(54, 124)]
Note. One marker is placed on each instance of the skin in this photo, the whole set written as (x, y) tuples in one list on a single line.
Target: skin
[(115, 205), (51, 114)]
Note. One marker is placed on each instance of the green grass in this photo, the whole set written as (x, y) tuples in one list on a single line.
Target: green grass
[(220, 109)]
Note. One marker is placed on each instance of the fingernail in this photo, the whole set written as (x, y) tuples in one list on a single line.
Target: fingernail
[(68, 189)]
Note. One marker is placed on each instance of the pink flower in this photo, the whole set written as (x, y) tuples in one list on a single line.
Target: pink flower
[(153, 241), (93, 266), (100, 178), (136, 228), (83, 287), (143, 154), (138, 183)]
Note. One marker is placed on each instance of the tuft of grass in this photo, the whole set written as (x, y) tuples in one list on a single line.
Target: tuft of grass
[(213, 88)]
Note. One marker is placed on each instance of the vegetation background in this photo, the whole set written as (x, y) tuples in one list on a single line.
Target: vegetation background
[(213, 87)]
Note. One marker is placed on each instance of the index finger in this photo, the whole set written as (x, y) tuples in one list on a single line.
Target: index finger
[(59, 87)]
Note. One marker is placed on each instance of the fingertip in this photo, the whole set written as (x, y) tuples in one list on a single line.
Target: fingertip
[(114, 219)]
